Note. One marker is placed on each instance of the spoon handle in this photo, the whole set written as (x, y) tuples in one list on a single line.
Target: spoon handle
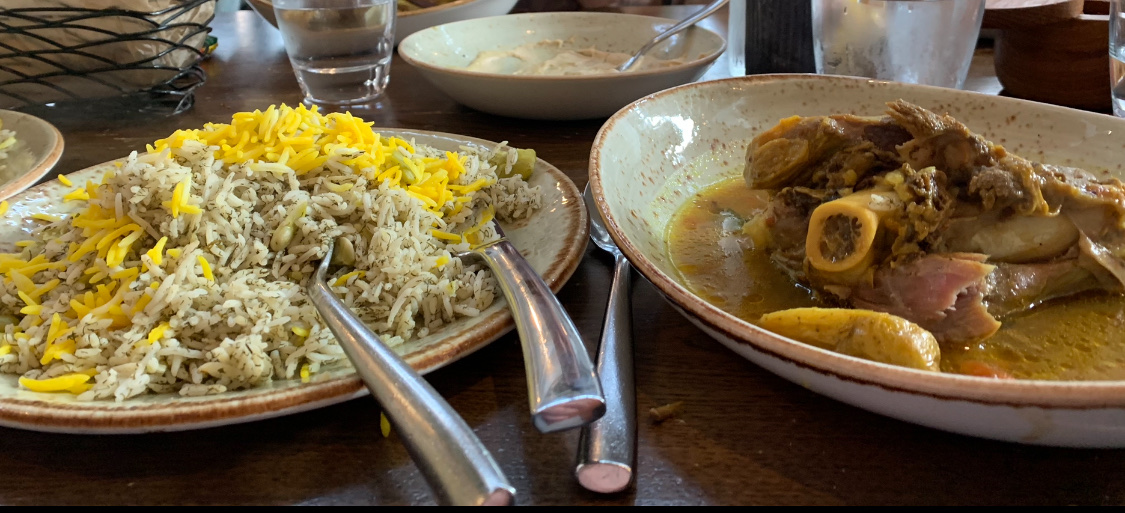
[(607, 448), (455, 463), (562, 387), (687, 22)]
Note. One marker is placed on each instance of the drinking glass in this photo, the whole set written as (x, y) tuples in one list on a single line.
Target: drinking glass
[(340, 49), (1117, 57), (736, 37), (916, 41)]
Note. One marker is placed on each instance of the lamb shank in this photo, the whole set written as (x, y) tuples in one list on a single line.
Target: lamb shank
[(914, 215)]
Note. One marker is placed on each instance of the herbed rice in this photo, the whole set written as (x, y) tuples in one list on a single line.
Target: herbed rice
[(165, 280)]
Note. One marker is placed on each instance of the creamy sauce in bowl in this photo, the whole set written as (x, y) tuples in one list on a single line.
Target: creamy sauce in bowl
[(556, 57)]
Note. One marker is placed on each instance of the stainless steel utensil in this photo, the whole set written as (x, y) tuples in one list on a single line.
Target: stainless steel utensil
[(457, 466), (607, 448), (673, 30), (562, 387)]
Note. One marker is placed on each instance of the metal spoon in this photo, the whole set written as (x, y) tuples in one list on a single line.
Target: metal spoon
[(689, 21), (457, 466), (562, 387), (607, 448)]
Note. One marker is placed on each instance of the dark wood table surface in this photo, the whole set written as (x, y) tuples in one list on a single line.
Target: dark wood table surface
[(744, 437)]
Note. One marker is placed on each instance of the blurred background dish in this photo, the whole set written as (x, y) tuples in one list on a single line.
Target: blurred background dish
[(418, 17), (37, 148), (444, 53)]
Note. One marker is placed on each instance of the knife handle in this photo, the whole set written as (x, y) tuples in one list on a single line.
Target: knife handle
[(563, 388), (607, 448)]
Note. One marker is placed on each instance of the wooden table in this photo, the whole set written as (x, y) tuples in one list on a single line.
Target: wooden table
[(745, 436)]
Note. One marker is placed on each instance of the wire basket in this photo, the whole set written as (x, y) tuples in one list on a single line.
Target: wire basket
[(60, 54)]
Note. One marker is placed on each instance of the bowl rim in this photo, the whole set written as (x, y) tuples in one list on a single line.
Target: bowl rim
[(406, 14), (404, 49), (436, 8), (1068, 394)]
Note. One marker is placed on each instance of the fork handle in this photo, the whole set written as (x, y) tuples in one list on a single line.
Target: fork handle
[(607, 449), (562, 387), (453, 460)]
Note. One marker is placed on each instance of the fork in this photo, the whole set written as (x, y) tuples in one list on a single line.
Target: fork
[(607, 448), (455, 463)]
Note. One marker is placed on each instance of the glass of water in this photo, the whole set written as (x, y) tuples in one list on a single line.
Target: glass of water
[(340, 49), (1117, 56), (916, 41)]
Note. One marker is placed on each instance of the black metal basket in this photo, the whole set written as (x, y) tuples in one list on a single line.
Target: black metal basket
[(57, 55)]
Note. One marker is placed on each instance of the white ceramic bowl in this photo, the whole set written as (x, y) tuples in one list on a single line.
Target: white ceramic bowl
[(442, 52), (409, 22), (651, 156)]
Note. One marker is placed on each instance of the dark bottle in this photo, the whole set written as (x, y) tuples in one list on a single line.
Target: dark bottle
[(779, 37)]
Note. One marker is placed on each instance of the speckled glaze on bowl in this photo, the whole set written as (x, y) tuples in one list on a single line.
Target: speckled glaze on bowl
[(442, 52), (651, 156), (553, 241), (409, 22), (39, 145)]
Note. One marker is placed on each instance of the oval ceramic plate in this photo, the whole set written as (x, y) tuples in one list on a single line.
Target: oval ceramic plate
[(39, 145), (653, 155), (553, 241)]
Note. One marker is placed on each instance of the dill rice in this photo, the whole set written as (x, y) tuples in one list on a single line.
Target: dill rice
[(182, 269)]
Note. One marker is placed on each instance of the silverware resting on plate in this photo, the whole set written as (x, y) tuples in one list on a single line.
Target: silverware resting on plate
[(457, 466), (563, 388), (607, 448), (706, 11)]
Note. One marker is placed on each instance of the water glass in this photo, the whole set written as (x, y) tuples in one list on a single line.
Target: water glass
[(916, 41), (340, 49), (1117, 56)]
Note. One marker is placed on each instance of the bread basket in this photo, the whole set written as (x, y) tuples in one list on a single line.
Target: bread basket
[(64, 50)]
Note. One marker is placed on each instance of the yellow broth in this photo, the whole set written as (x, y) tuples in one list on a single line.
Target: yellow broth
[(1078, 338)]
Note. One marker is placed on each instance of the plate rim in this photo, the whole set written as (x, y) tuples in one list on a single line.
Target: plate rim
[(109, 417), (43, 165)]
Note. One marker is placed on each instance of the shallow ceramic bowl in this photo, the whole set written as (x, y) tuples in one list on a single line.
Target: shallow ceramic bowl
[(409, 22), (650, 157), (38, 147), (441, 54)]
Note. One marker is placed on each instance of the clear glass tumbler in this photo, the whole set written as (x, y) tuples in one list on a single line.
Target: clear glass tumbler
[(1117, 56), (916, 41), (340, 49)]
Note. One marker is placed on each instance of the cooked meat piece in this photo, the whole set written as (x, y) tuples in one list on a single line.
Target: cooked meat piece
[(942, 142), (816, 151), (942, 293), (1014, 288), (1070, 187), (998, 189), (915, 215), (928, 206), (787, 218)]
